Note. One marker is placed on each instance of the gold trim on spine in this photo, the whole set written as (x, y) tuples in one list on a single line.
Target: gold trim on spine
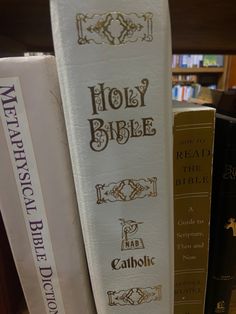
[(114, 28), (190, 271), (126, 190), (192, 195), (134, 296)]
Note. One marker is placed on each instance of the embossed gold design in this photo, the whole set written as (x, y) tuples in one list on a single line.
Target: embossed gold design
[(230, 172), (114, 28), (231, 224), (126, 190), (220, 307), (134, 296), (129, 228)]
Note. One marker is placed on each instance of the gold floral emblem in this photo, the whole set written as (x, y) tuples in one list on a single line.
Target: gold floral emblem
[(114, 28)]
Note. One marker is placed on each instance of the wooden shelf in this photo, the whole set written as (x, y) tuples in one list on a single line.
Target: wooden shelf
[(203, 26), (197, 70), (183, 83)]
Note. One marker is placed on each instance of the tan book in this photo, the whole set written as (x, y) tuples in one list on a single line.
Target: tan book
[(37, 195), (193, 128)]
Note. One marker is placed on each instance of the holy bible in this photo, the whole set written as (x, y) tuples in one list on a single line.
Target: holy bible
[(114, 63)]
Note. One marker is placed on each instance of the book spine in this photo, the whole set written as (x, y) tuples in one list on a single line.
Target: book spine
[(193, 152), (17, 133), (111, 58), (37, 193), (223, 216)]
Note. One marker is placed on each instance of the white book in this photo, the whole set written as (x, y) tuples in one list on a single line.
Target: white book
[(114, 63), (37, 196)]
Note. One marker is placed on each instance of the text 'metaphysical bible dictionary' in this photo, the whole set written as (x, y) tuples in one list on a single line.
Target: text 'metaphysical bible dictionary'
[(114, 64), (37, 197)]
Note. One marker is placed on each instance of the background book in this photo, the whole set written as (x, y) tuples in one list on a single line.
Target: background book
[(193, 131), (222, 254), (37, 195), (115, 74), (193, 72)]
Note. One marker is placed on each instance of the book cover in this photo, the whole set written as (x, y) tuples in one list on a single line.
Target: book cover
[(210, 60), (222, 253), (193, 128), (37, 196), (114, 62)]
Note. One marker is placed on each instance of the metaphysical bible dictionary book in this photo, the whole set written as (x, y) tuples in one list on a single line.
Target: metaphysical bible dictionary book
[(222, 255), (193, 128), (37, 197), (114, 63)]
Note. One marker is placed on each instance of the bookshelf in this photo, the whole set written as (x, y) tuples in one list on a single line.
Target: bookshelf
[(219, 70), (25, 26), (191, 71), (225, 76), (216, 74)]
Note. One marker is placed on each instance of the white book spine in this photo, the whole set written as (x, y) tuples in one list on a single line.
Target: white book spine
[(36, 189), (114, 62)]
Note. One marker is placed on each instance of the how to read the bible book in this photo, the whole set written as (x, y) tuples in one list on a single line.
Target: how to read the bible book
[(37, 197), (193, 129), (114, 68)]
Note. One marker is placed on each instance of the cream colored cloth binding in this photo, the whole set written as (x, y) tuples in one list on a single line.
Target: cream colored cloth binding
[(114, 63)]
